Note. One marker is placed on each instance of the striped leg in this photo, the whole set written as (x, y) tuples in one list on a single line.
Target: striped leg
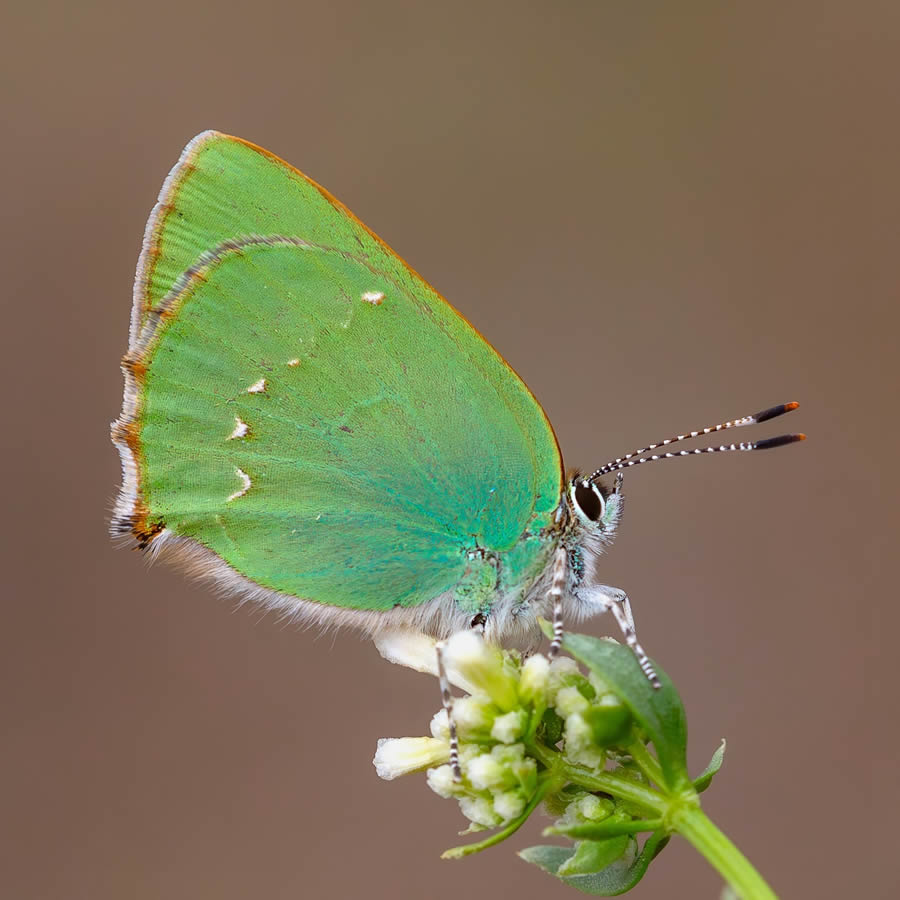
[(557, 586), (447, 701), (620, 606)]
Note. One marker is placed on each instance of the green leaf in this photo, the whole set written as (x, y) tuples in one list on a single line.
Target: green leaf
[(702, 781), (658, 712), (593, 856), (617, 878)]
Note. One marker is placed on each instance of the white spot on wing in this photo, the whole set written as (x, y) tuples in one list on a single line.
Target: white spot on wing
[(373, 297), (245, 478), (257, 387), (241, 429)]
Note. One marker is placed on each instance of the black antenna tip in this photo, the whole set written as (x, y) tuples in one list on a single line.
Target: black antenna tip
[(774, 411), (780, 441)]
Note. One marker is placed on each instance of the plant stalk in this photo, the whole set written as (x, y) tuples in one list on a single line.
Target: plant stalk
[(700, 831)]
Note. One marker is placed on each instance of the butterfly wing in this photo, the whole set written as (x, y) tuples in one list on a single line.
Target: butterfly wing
[(304, 408)]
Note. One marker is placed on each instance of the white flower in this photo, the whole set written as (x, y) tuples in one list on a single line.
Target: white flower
[(480, 811), (563, 671), (509, 728), (417, 651), (580, 746), (474, 716), (509, 804), (534, 679), (485, 772), (483, 665), (569, 700), (400, 756), (441, 781), (440, 725)]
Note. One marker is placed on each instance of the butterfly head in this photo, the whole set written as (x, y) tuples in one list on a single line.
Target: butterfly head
[(593, 505)]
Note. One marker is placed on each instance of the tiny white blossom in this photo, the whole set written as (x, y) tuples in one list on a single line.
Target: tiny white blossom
[(485, 772), (400, 756), (419, 652), (440, 725), (593, 807), (509, 804), (483, 665), (480, 811), (563, 672), (473, 715), (569, 700), (580, 746), (509, 727), (534, 679), (441, 781)]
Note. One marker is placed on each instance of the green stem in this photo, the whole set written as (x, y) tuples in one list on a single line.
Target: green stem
[(617, 786), (645, 797), (550, 783), (697, 828), (682, 814), (648, 765)]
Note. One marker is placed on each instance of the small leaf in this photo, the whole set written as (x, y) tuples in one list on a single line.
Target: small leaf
[(702, 781), (658, 712), (593, 856), (617, 878)]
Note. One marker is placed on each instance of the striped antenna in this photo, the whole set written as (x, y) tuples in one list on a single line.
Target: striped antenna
[(629, 460)]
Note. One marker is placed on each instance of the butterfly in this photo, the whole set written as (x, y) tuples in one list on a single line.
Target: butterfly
[(309, 424)]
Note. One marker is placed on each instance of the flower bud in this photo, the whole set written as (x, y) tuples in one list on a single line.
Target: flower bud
[(480, 811), (483, 665), (474, 716), (593, 808), (509, 804), (564, 672), (400, 756), (534, 680), (509, 727), (442, 782), (486, 772), (580, 747), (521, 768), (570, 700), (440, 727)]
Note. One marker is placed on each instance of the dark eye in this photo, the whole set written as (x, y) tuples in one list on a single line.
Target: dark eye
[(590, 500)]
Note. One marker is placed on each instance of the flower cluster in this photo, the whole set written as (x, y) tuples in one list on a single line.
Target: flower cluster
[(535, 732), (511, 706)]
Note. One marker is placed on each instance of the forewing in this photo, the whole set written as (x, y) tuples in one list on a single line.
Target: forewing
[(306, 407)]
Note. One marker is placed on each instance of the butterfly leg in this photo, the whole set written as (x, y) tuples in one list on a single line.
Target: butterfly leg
[(555, 594), (447, 703), (617, 602)]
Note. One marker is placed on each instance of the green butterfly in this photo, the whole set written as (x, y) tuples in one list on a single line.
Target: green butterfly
[(311, 425)]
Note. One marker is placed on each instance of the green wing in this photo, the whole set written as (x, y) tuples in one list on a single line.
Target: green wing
[(302, 404)]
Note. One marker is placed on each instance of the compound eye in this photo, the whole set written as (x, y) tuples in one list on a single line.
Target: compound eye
[(589, 499)]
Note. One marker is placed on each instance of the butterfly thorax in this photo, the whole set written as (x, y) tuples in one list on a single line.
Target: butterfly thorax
[(511, 590)]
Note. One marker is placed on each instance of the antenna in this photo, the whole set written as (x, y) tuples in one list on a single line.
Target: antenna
[(627, 461)]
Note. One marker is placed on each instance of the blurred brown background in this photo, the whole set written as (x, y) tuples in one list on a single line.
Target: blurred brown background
[(660, 214)]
